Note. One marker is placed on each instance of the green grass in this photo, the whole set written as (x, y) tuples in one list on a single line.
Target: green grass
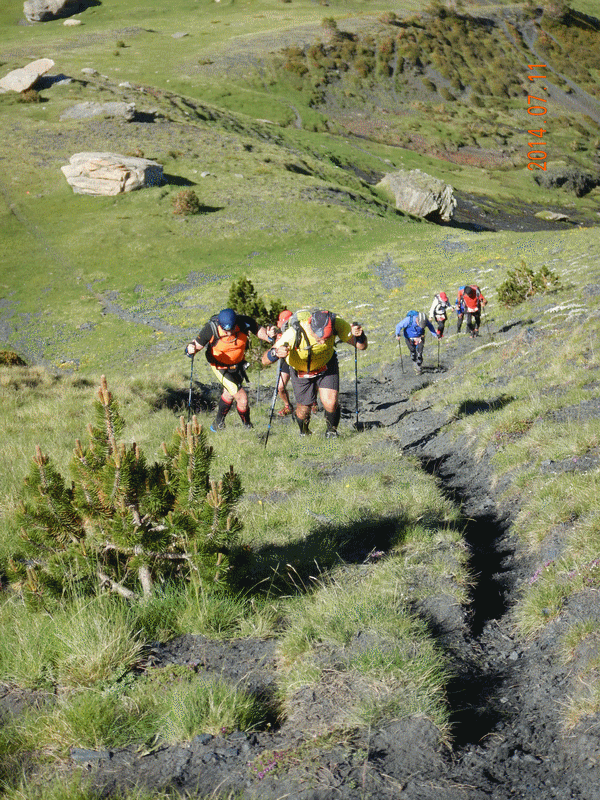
[(119, 285)]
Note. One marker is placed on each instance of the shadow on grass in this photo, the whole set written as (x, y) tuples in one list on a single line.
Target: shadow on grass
[(178, 400), (468, 407), (294, 567)]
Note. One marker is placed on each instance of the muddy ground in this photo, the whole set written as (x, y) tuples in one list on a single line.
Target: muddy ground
[(505, 696)]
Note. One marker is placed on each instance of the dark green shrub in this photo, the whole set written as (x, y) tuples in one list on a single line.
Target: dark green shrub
[(186, 203), (522, 283), (123, 524), (10, 359)]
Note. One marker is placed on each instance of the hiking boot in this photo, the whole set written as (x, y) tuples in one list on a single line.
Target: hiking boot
[(285, 411), (248, 425), (303, 425), (218, 425), (331, 433), (418, 369)]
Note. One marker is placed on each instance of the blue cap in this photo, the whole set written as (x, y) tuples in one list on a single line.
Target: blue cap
[(227, 319)]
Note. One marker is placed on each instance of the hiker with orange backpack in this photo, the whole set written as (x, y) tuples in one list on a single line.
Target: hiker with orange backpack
[(471, 301), (413, 328), (225, 338)]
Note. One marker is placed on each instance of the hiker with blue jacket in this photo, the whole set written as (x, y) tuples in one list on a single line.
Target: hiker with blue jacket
[(413, 327)]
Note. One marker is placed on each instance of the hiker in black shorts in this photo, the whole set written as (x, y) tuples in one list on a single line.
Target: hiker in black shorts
[(308, 347)]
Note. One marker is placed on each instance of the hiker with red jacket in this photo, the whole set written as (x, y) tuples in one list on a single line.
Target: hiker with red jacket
[(225, 338), (439, 311), (471, 301), (413, 327), (284, 376)]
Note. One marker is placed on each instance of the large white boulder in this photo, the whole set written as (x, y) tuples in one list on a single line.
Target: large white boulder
[(21, 79), (110, 173), (45, 10), (420, 194)]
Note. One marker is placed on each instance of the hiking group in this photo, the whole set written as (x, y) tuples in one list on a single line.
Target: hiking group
[(303, 346)]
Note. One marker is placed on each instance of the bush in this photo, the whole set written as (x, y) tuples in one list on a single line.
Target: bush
[(186, 202), (123, 524), (30, 96), (10, 359), (522, 283)]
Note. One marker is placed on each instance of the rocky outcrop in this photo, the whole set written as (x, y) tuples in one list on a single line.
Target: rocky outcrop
[(45, 10), (572, 179), (90, 109), (19, 80), (110, 173), (420, 194)]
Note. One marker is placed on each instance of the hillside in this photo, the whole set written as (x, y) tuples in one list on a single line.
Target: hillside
[(415, 605)]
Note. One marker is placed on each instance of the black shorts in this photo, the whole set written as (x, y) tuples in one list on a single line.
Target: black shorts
[(285, 367), (306, 389)]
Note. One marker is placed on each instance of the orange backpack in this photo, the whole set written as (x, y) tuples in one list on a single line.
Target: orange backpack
[(226, 348)]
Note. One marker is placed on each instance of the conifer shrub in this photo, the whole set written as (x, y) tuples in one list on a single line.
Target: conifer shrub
[(522, 283), (122, 524)]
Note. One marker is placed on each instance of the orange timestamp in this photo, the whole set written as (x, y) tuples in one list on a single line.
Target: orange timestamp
[(537, 157)]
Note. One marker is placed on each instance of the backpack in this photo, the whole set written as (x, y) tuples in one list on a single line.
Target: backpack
[(230, 356), (294, 323)]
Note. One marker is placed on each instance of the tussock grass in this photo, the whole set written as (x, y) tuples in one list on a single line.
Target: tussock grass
[(397, 672), (208, 706)]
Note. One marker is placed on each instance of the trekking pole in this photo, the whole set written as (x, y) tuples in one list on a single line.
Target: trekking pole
[(190, 395), (356, 383), (273, 402), (258, 386), (401, 359), (438, 366)]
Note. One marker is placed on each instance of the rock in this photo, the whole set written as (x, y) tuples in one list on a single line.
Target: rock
[(420, 194), (90, 109), (110, 173), (72, 22), (45, 10), (21, 79), (179, 35), (90, 71), (570, 178), (552, 216)]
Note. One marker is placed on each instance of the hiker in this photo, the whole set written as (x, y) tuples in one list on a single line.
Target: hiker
[(413, 327), (439, 311), (284, 376), (225, 337), (308, 347), (471, 301)]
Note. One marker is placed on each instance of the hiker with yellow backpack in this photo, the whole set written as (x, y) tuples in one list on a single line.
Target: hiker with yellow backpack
[(308, 347)]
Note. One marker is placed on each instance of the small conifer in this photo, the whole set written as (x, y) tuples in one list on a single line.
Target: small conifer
[(123, 524)]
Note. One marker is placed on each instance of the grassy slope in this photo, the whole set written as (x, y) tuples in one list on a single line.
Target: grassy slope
[(63, 254)]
